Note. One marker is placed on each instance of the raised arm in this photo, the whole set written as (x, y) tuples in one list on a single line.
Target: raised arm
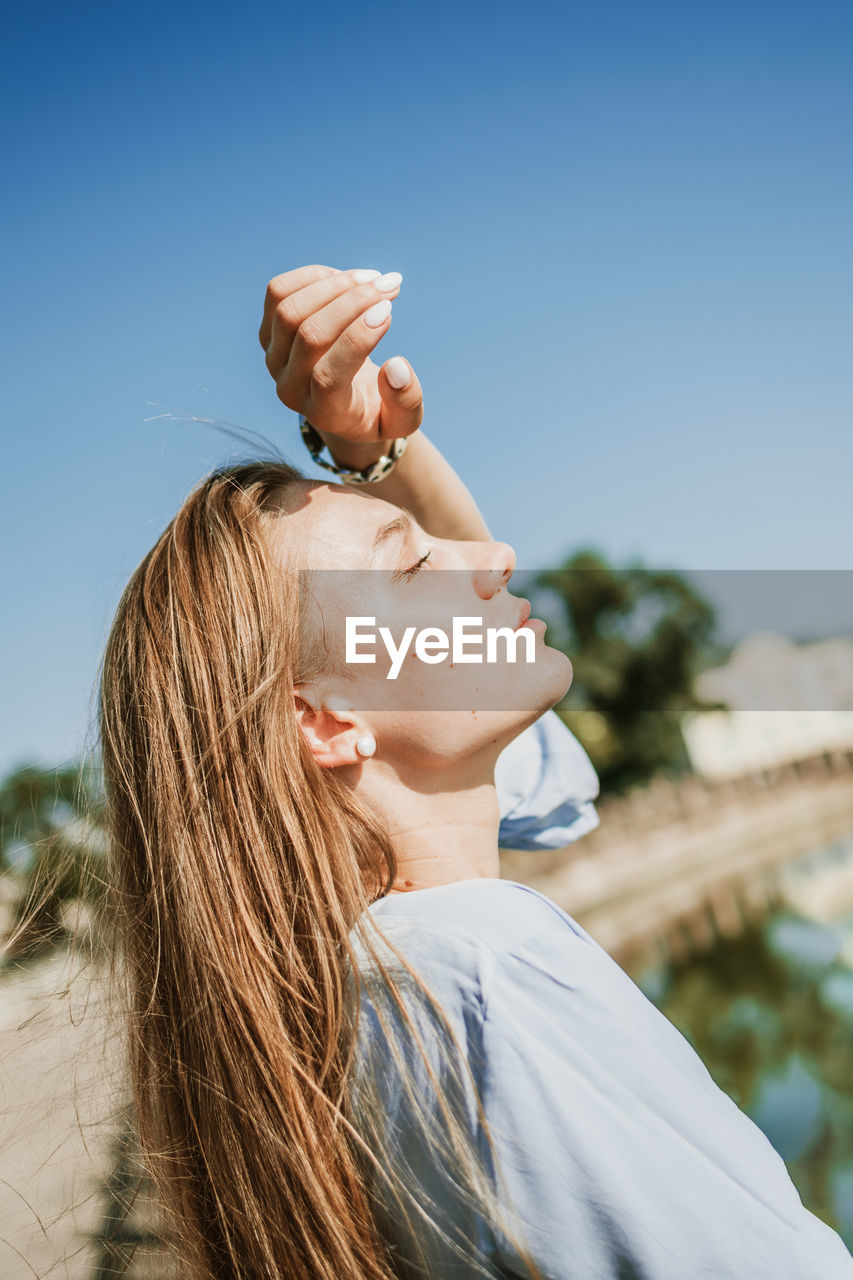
[(424, 482), (318, 331)]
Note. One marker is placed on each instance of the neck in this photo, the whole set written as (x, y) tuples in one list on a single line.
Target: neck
[(442, 831)]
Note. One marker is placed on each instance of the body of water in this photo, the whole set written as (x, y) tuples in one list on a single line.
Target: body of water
[(771, 1015)]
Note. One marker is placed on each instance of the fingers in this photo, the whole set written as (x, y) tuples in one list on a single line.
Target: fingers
[(332, 374), (281, 287), (293, 297), (299, 307), (319, 328), (330, 344), (402, 399)]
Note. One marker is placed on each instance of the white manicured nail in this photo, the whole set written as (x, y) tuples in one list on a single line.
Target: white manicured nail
[(362, 276), (377, 314), (398, 373), (389, 282)]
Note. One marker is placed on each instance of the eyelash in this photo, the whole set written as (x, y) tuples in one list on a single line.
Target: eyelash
[(415, 568)]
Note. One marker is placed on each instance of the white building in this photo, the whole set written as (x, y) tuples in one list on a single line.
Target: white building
[(786, 702)]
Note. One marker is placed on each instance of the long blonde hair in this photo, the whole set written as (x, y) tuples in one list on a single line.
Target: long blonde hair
[(239, 869)]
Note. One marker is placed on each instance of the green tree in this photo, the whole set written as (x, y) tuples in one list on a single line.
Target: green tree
[(770, 1015), (49, 847), (637, 638)]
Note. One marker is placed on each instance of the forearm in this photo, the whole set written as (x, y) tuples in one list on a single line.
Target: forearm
[(424, 483)]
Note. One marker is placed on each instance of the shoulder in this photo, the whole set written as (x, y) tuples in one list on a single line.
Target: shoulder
[(474, 937), (493, 915), (531, 971), (505, 958)]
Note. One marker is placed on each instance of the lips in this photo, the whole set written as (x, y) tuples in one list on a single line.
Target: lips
[(524, 615)]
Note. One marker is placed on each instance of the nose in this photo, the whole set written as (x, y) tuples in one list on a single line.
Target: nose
[(495, 562)]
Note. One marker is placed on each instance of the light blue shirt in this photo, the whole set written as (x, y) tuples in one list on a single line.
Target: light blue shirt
[(618, 1151), (546, 786)]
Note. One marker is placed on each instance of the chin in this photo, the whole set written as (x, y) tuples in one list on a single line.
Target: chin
[(553, 683), (544, 685), (556, 675)]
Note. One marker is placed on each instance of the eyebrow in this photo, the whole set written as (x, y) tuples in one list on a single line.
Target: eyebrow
[(400, 524)]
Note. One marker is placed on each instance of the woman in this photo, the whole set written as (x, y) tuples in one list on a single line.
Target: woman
[(356, 1051)]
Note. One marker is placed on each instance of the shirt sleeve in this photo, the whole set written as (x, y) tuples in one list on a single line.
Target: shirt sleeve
[(620, 1154), (546, 786)]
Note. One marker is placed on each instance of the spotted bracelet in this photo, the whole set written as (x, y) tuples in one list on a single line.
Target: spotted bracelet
[(377, 470)]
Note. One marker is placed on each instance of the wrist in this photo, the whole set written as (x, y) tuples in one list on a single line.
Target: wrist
[(350, 453), (368, 468)]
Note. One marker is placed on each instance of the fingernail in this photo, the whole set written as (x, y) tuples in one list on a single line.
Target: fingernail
[(389, 282), (377, 314), (362, 275), (398, 373)]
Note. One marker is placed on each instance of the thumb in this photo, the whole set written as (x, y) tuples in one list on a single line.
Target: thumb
[(402, 399)]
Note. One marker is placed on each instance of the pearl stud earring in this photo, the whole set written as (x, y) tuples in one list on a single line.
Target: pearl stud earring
[(366, 745)]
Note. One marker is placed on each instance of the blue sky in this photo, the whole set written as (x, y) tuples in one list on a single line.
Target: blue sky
[(624, 231)]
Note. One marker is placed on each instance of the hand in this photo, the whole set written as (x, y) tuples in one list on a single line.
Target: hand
[(318, 344)]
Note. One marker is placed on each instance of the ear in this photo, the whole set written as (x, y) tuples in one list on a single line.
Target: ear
[(328, 729)]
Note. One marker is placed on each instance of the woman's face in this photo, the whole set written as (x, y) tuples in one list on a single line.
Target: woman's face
[(370, 560)]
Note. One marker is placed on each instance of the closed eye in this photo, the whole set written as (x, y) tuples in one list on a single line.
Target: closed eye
[(415, 568)]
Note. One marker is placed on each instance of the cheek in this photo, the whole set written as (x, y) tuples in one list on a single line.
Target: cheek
[(422, 738), (445, 686)]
